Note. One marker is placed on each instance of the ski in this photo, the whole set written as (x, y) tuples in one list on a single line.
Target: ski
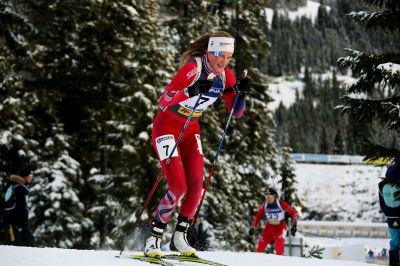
[(154, 260), (194, 259)]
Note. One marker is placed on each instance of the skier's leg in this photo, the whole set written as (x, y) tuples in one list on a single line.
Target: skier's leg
[(153, 243), (266, 237), (279, 243), (175, 176), (165, 132), (192, 158)]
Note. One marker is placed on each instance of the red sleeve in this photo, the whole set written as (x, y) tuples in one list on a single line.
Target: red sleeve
[(230, 81), (174, 93), (259, 215), (290, 210)]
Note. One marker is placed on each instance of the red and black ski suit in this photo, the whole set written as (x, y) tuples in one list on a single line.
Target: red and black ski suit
[(275, 224), (184, 172)]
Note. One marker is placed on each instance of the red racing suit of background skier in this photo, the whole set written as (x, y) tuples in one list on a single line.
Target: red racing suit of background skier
[(275, 224), (184, 172)]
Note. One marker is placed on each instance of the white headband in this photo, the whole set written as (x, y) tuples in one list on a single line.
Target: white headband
[(221, 44)]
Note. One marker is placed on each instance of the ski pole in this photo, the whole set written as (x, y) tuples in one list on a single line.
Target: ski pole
[(211, 9), (218, 151)]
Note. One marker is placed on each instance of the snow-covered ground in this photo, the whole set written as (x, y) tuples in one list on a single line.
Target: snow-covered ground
[(348, 190), (341, 192), (344, 193), (23, 256)]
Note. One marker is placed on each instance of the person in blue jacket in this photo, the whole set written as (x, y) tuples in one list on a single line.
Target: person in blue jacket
[(16, 211), (389, 200)]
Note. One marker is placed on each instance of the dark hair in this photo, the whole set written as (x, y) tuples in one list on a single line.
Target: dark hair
[(199, 46), (24, 171), (272, 191)]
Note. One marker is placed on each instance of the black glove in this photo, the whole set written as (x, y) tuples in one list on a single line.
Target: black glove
[(200, 86), (293, 229), (243, 85), (251, 231)]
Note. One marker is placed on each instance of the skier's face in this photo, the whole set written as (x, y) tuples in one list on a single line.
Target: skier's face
[(219, 61), (270, 198)]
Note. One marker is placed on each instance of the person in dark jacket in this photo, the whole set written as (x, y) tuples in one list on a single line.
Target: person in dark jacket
[(389, 200), (16, 211), (201, 233)]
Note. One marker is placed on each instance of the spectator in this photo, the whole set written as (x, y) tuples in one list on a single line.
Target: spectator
[(16, 212), (389, 200)]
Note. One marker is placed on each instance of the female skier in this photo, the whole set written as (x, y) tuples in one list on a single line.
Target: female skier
[(274, 210), (203, 74)]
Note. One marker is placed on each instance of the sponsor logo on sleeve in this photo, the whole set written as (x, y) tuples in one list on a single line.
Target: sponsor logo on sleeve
[(191, 73)]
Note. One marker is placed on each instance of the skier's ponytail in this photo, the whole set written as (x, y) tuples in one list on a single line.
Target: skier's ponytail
[(199, 46)]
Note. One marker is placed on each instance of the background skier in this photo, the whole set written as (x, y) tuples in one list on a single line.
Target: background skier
[(274, 210), (203, 77)]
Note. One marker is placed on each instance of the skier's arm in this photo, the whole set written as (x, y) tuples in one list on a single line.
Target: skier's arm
[(174, 92), (230, 94), (290, 210), (259, 215)]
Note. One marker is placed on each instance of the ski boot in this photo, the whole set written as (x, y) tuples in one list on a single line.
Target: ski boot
[(179, 240), (152, 246)]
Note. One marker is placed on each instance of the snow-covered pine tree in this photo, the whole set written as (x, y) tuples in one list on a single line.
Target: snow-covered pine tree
[(17, 124), (288, 179), (375, 96), (16, 102), (58, 215), (89, 74), (187, 21), (132, 165)]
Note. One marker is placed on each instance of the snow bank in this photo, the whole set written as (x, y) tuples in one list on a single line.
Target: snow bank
[(23, 256)]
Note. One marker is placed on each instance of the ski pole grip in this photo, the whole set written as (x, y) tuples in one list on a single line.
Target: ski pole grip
[(212, 8)]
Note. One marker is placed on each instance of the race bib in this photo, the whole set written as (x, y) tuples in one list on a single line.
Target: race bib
[(274, 216), (164, 145)]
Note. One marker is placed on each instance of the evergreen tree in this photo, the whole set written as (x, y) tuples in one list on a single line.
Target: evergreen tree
[(88, 83), (323, 142), (363, 100), (339, 147), (288, 179), (59, 217)]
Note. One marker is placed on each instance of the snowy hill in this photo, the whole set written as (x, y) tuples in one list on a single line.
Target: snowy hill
[(310, 11), (340, 192), (23, 256), (283, 89)]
